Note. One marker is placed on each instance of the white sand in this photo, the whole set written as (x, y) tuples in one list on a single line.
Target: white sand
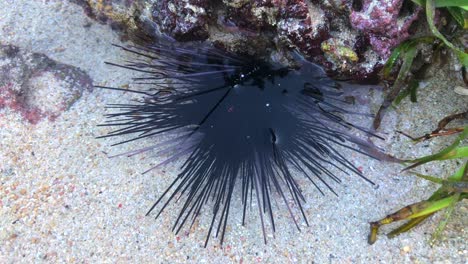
[(63, 200)]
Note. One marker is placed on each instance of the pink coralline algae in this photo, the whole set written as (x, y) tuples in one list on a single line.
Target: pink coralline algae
[(37, 87), (382, 22)]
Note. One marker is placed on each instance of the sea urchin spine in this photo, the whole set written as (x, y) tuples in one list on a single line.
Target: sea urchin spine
[(235, 120)]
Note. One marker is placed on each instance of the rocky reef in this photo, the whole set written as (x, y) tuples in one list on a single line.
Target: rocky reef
[(383, 24), (350, 39)]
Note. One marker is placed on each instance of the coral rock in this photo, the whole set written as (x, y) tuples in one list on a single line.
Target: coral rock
[(358, 39), (305, 26), (381, 21), (256, 15), (182, 19)]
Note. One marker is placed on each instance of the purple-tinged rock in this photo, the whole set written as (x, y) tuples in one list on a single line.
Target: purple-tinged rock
[(380, 20), (36, 86), (253, 15), (350, 39), (183, 20), (305, 26)]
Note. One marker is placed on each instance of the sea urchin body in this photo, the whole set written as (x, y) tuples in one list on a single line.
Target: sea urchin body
[(235, 120)]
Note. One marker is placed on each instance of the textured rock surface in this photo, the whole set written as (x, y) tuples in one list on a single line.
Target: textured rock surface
[(36, 86), (271, 27), (304, 25), (185, 20), (383, 23)]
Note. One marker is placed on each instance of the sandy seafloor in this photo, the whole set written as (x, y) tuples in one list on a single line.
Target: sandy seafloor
[(62, 200)]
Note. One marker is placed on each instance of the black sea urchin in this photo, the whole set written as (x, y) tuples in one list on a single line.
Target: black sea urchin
[(235, 120)]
